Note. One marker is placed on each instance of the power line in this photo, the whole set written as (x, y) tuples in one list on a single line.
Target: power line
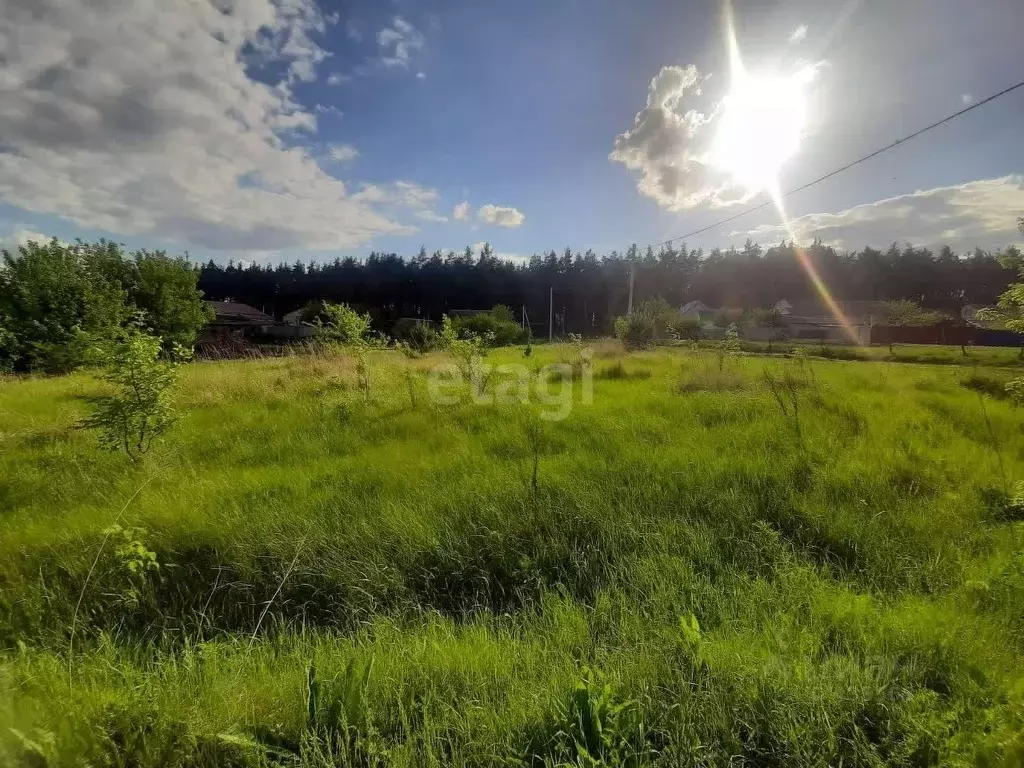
[(846, 167)]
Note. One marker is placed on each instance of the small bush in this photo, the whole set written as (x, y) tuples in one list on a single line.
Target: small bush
[(1015, 391), (650, 321), (498, 326), (684, 329), (420, 335), (635, 331), (341, 323), (140, 409)]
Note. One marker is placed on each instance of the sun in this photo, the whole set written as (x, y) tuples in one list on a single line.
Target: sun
[(760, 126)]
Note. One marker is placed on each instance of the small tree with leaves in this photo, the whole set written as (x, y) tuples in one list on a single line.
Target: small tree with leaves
[(1010, 309), (771, 319), (468, 349), (343, 324), (909, 314), (139, 410), (346, 326)]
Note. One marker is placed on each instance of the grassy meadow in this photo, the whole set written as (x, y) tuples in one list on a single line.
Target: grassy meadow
[(724, 560)]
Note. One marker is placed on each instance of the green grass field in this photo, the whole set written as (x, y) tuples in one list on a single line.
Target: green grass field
[(818, 566)]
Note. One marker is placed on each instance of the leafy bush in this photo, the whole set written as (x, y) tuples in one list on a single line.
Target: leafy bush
[(56, 300), (7, 342), (910, 314), (1014, 389), (498, 327), (421, 336), (164, 289), (53, 293), (650, 320), (684, 328), (341, 323), (635, 331), (467, 348), (140, 409), (724, 318)]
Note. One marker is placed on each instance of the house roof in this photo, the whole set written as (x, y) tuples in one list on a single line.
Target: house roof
[(695, 307), (236, 313)]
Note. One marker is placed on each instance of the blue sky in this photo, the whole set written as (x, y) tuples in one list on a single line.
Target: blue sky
[(283, 129)]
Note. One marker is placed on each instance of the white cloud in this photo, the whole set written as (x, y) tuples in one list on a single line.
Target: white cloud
[(461, 211), (352, 32), (421, 75), (415, 196), (20, 236), (399, 42), (142, 120), (501, 217), (977, 213), (329, 109), (799, 34), (670, 147), (372, 193), (337, 78), (342, 153), (403, 196)]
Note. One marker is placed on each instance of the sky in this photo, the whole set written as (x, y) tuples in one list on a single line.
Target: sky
[(277, 130)]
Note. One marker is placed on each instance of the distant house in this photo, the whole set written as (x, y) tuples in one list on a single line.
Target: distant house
[(697, 310), (294, 326), (700, 312), (844, 321), (232, 318)]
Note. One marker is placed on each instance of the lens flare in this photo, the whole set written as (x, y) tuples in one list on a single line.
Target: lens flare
[(761, 127)]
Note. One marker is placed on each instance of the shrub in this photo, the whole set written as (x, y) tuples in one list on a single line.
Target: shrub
[(140, 409), (907, 313), (650, 320), (498, 326), (7, 349), (420, 335), (1015, 391), (52, 293), (55, 297), (467, 348), (635, 331), (341, 323), (684, 329)]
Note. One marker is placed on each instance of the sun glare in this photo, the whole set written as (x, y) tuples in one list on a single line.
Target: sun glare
[(761, 126)]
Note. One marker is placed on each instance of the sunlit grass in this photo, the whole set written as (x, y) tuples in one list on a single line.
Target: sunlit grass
[(857, 581)]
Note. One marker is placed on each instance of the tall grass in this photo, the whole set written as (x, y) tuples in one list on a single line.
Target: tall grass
[(670, 576)]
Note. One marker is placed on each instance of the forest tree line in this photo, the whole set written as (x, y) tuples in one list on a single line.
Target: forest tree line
[(590, 291), (59, 302)]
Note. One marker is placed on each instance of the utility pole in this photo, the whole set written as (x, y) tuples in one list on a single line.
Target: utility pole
[(551, 314), (632, 277)]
